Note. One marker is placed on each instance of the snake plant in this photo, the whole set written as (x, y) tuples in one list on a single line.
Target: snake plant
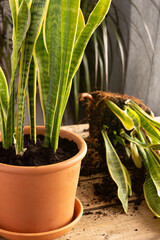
[(142, 132), (49, 39)]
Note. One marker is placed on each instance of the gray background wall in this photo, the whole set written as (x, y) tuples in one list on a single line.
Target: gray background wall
[(143, 73)]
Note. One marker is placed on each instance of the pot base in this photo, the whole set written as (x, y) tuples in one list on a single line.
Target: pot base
[(78, 211)]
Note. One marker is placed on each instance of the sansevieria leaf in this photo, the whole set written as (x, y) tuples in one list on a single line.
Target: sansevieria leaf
[(156, 155), (135, 118), (154, 170), (70, 17), (53, 38), (41, 60), (80, 27), (139, 143), (150, 129), (14, 9), (22, 25), (26, 56), (4, 98), (94, 20), (151, 197), (2, 124), (81, 24), (122, 115), (117, 171), (31, 93), (142, 112), (69, 21), (135, 155), (10, 120), (128, 181)]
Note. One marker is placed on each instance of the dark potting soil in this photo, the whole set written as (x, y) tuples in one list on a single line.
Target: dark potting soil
[(95, 160), (36, 154)]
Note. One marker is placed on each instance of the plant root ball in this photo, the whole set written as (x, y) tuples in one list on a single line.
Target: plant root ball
[(99, 114)]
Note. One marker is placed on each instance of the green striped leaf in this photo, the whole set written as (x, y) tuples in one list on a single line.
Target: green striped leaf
[(53, 38), (135, 118), (2, 124), (81, 23), (142, 152), (156, 155), (95, 41), (23, 21), (122, 115), (135, 155), (4, 98), (117, 171), (70, 10), (144, 157), (28, 1), (151, 197), (32, 100), (10, 120), (151, 130), (70, 18), (14, 10), (154, 170), (26, 56), (141, 112), (151, 162), (139, 143), (94, 20), (128, 181), (41, 59), (104, 46)]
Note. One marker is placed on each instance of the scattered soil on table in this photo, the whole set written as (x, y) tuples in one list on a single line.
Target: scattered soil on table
[(95, 160), (37, 155)]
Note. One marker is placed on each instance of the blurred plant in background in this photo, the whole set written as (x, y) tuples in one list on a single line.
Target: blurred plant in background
[(107, 51)]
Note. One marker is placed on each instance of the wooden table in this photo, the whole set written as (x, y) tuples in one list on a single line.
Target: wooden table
[(107, 221)]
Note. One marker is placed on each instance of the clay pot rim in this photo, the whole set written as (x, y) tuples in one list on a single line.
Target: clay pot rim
[(51, 167)]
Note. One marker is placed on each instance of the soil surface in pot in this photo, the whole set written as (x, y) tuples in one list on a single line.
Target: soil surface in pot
[(37, 155)]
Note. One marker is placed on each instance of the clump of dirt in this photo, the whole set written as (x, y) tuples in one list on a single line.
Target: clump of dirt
[(99, 114), (95, 161), (36, 154)]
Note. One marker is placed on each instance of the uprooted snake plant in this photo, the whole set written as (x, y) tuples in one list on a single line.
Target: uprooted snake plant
[(49, 39), (142, 132)]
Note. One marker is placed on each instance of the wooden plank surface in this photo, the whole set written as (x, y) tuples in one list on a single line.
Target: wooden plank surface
[(106, 220)]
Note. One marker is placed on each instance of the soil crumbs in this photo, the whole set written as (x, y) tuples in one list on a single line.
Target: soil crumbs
[(36, 154), (95, 162)]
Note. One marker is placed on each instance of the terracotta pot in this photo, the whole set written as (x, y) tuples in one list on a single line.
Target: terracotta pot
[(40, 199)]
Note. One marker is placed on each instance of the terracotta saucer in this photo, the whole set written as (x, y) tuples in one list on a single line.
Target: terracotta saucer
[(78, 211)]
